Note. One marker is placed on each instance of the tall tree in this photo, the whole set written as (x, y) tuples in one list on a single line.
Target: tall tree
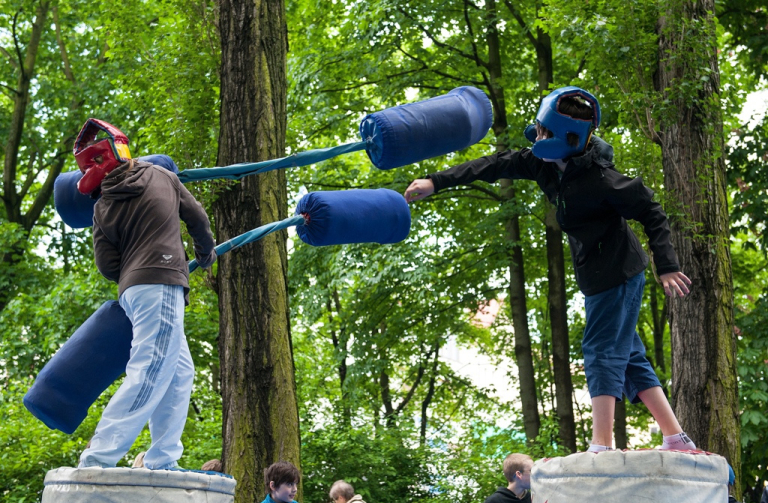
[(704, 382), (22, 208), (517, 294), (541, 45), (260, 413)]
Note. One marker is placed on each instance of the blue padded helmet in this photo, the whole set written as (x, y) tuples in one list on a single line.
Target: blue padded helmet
[(557, 147)]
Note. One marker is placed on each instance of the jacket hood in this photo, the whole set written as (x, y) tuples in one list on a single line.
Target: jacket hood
[(598, 152), (124, 182)]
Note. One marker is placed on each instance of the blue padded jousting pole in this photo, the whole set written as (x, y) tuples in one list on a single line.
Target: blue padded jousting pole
[(238, 171), (392, 138)]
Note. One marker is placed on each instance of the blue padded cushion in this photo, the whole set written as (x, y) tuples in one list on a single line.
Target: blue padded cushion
[(92, 359), (416, 131), (354, 216), (76, 209), (160, 160)]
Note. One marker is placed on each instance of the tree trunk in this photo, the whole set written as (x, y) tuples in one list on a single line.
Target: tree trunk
[(430, 394), (260, 414), (704, 384), (517, 295), (620, 424), (556, 296), (340, 349), (558, 318), (659, 314)]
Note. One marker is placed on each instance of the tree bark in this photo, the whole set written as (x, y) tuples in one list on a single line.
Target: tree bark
[(620, 424), (260, 413), (517, 295), (340, 346), (704, 383), (558, 318), (556, 295), (430, 395), (659, 314)]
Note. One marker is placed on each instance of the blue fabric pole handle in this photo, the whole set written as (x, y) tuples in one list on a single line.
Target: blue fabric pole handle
[(238, 171), (251, 236)]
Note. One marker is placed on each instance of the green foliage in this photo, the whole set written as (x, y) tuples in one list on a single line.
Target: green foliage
[(753, 394), (28, 449), (748, 178), (745, 20), (373, 462), (151, 67)]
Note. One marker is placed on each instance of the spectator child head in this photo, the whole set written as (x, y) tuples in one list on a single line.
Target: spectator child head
[(212, 465), (517, 470), (282, 481), (341, 491)]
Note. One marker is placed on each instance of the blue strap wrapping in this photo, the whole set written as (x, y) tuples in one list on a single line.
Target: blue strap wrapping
[(238, 171), (416, 131), (252, 235), (161, 160)]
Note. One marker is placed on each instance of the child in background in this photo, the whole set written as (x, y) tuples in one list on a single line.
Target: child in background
[(282, 482)]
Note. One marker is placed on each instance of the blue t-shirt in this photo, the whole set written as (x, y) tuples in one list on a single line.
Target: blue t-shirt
[(269, 499)]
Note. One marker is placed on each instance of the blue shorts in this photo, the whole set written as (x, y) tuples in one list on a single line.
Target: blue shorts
[(614, 355)]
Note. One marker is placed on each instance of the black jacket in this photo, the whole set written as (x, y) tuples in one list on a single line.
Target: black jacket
[(594, 202), (504, 495)]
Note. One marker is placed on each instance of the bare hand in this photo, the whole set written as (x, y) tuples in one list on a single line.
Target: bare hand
[(675, 282), (419, 189)]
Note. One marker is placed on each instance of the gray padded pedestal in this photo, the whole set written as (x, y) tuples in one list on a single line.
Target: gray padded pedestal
[(631, 476), (124, 485)]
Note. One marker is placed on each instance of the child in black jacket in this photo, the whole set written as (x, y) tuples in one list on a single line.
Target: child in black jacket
[(594, 202)]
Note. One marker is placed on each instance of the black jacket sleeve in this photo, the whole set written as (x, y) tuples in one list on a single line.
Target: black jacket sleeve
[(634, 201), (515, 164)]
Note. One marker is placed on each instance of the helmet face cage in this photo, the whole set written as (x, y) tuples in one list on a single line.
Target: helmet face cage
[(113, 151), (561, 125)]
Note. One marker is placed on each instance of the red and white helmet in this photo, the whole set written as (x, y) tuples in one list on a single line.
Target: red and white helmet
[(112, 149)]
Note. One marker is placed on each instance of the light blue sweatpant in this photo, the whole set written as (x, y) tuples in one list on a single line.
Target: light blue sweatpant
[(157, 384)]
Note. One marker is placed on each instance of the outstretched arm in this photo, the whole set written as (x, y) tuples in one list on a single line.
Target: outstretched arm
[(509, 164), (419, 189)]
